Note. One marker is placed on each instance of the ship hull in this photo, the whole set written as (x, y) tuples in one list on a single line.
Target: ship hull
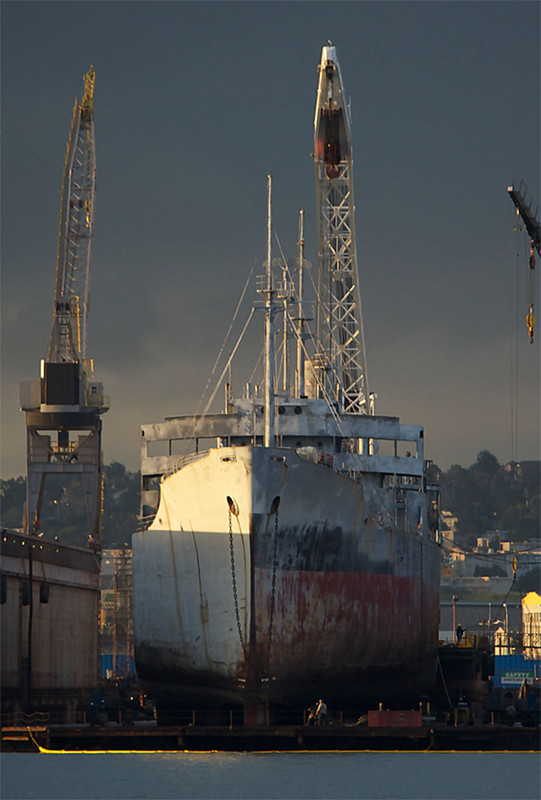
[(266, 577)]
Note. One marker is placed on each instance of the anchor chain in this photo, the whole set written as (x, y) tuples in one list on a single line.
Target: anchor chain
[(274, 510), (273, 590), (233, 576)]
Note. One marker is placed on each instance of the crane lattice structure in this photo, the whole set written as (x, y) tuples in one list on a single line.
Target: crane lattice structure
[(71, 300), (63, 408), (341, 362)]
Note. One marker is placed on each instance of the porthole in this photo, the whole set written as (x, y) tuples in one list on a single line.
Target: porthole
[(298, 410)]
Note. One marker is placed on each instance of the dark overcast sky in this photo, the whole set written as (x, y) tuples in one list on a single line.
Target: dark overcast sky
[(195, 103)]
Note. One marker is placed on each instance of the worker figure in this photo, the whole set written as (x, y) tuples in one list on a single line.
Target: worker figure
[(312, 715), (459, 633), (321, 713)]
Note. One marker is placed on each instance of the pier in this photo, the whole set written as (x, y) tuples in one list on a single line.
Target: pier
[(148, 737)]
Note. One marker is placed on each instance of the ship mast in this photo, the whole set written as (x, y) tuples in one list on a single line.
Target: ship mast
[(341, 361), (269, 329), (299, 372)]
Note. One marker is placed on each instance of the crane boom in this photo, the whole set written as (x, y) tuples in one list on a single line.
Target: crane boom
[(518, 196), (341, 362), (71, 297)]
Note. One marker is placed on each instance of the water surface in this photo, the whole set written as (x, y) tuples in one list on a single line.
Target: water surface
[(246, 776)]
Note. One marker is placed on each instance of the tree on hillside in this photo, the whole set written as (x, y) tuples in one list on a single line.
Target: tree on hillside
[(530, 581), (489, 572), (458, 496), (489, 496), (13, 496), (486, 464), (521, 521), (485, 496), (63, 513), (120, 505)]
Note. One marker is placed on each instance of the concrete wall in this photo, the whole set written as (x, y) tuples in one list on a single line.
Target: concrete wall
[(63, 617)]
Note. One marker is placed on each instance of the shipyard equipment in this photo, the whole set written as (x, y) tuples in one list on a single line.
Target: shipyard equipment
[(340, 366), (533, 227), (52, 590), (63, 408)]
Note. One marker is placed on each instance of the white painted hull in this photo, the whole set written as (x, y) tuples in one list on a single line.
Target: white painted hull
[(354, 606)]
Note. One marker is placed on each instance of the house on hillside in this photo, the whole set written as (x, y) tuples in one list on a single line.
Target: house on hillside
[(493, 558)]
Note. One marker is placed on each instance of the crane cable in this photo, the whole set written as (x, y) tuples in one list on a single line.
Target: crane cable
[(515, 323), (530, 319), (514, 350)]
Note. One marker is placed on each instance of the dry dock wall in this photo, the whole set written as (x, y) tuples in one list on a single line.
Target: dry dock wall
[(49, 636)]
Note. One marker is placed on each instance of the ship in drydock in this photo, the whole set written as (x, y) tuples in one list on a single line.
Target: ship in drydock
[(296, 557)]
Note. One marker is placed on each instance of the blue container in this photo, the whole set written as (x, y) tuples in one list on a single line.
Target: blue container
[(106, 666), (511, 671)]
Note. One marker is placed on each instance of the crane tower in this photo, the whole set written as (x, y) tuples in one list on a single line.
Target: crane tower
[(63, 408), (341, 360)]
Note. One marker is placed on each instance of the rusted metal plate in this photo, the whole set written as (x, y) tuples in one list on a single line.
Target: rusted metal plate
[(397, 718)]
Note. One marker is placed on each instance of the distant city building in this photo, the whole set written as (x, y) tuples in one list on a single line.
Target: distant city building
[(448, 525), (116, 629), (531, 625), (494, 558)]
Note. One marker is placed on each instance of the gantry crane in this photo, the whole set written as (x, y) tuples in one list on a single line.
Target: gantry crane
[(518, 196), (341, 362), (63, 408)]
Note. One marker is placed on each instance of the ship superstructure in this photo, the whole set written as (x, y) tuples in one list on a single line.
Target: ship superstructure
[(297, 555)]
